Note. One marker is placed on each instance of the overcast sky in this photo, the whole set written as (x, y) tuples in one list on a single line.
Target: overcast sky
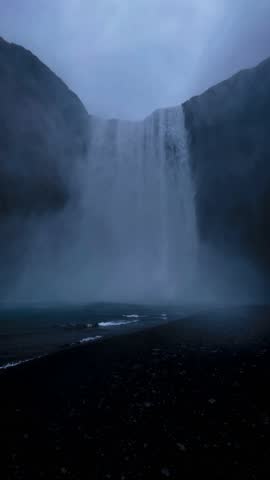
[(125, 58)]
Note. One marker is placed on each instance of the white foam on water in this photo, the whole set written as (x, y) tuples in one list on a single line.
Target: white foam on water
[(19, 362), (131, 316), (117, 323), (91, 339)]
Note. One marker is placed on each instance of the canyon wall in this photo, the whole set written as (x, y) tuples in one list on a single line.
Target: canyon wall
[(229, 128)]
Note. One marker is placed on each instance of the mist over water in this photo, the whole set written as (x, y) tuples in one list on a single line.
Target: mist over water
[(131, 235), (138, 204)]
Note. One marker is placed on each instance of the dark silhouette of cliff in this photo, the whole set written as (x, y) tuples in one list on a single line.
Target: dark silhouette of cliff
[(230, 151), (43, 134)]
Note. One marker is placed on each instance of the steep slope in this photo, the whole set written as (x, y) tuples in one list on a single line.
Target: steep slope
[(43, 133), (230, 150), (43, 142)]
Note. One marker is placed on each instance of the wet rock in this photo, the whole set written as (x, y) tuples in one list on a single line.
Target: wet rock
[(166, 472), (230, 122), (181, 447)]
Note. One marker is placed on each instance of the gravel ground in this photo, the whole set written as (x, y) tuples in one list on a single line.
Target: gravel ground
[(190, 399)]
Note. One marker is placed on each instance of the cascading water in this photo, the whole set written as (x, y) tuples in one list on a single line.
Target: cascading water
[(139, 208)]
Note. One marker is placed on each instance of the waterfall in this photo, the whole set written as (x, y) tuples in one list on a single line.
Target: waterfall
[(139, 208)]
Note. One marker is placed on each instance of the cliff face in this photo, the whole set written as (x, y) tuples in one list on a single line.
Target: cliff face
[(43, 134), (43, 142), (230, 150)]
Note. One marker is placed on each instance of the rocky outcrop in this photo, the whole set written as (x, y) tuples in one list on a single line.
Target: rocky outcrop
[(43, 134), (230, 151), (43, 142)]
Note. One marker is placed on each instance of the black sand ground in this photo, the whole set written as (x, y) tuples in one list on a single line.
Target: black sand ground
[(190, 399)]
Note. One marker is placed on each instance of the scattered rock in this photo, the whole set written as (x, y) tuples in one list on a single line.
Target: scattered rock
[(266, 420), (166, 472), (181, 447)]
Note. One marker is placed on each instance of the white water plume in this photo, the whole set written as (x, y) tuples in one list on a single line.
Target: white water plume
[(139, 208)]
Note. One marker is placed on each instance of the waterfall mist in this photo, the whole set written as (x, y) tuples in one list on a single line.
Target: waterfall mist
[(139, 207), (133, 236), (130, 233)]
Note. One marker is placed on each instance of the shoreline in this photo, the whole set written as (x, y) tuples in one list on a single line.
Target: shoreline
[(64, 333), (191, 322), (160, 403)]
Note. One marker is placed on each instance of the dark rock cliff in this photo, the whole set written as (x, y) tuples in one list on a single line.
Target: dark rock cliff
[(43, 142), (43, 134), (229, 128)]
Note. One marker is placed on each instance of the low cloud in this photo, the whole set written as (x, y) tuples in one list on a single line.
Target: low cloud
[(126, 58)]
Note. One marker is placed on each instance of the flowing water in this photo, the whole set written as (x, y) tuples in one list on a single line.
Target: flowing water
[(135, 243), (28, 332), (139, 208)]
